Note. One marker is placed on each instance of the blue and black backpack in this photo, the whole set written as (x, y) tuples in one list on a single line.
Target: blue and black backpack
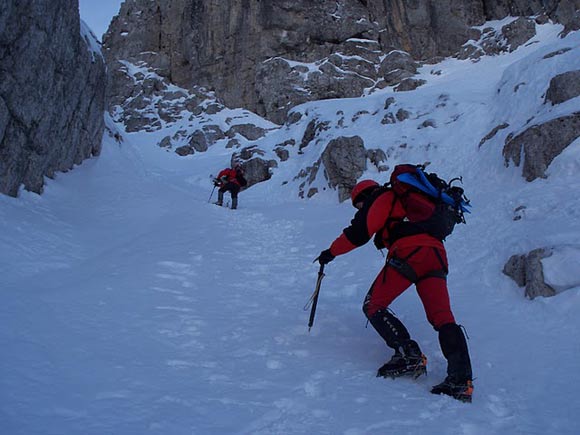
[(433, 205)]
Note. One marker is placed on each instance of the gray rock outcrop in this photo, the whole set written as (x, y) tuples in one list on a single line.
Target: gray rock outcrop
[(271, 56), (378, 158), (143, 100), (540, 144), (256, 168), (429, 28), (345, 160), (309, 174), (493, 132), (248, 131), (493, 42), (313, 129), (396, 66), (426, 29), (282, 84), (564, 87), (52, 99), (220, 44), (527, 271)]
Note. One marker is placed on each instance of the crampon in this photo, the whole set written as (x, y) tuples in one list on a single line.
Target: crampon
[(400, 366)]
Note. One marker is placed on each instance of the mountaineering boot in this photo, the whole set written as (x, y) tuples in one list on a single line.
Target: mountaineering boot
[(454, 347), (409, 363), (458, 383), (234, 203), (460, 390), (220, 200)]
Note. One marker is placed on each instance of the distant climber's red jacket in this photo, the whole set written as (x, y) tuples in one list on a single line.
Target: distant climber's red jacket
[(371, 219), (230, 175)]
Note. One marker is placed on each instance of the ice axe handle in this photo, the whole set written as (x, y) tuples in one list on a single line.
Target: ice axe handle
[(315, 297)]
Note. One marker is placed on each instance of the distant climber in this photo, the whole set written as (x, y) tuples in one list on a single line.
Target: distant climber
[(230, 180)]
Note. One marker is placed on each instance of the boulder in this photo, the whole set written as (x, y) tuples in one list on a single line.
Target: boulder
[(518, 32), (282, 153), (563, 87), (396, 66), (165, 142), (377, 157), (409, 85), (527, 271), (249, 131), (200, 140), (345, 160), (540, 144), (185, 150), (233, 143), (256, 169), (402, 115), (312, 129)]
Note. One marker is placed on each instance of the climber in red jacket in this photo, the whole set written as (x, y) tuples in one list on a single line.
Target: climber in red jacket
[(230, 180), (414, 257)]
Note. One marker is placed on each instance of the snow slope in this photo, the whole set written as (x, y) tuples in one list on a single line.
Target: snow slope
[(131, 305)]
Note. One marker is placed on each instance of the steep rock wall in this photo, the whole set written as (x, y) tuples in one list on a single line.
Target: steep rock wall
[(52, 96), (237, 48), (220, 43)]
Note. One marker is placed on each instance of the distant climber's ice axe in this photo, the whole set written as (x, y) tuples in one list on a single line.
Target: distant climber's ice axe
[(314, 298), (212, 191), (214, 186)]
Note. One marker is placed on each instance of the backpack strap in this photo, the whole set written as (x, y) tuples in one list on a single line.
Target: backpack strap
[(401, 228), (378, 239)]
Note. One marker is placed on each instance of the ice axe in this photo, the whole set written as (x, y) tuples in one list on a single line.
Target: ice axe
[(314, 298), (212, 191), (214, 186)]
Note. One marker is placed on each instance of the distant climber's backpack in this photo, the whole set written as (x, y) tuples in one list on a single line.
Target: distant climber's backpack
[(240, 177), (432, 205)]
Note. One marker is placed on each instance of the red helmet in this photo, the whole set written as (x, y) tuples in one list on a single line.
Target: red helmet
[(362, 188)]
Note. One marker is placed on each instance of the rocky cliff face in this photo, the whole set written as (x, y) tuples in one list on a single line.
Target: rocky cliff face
[(431, 28), (221, 44), (270, 56), (52, 99), (174, 64)]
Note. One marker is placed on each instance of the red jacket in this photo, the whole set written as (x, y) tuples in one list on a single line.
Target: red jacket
[(230, 175), (371, 219)]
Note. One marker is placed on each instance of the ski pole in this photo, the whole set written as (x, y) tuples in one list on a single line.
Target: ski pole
[(314, 298)]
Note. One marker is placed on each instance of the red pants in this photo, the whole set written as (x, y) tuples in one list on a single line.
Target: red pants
[(432, 290)]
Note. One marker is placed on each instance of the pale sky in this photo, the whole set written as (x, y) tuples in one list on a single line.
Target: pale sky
[(98, 14)]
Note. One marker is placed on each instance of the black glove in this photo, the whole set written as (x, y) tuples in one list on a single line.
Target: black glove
[(216, 182), (325, 257)]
